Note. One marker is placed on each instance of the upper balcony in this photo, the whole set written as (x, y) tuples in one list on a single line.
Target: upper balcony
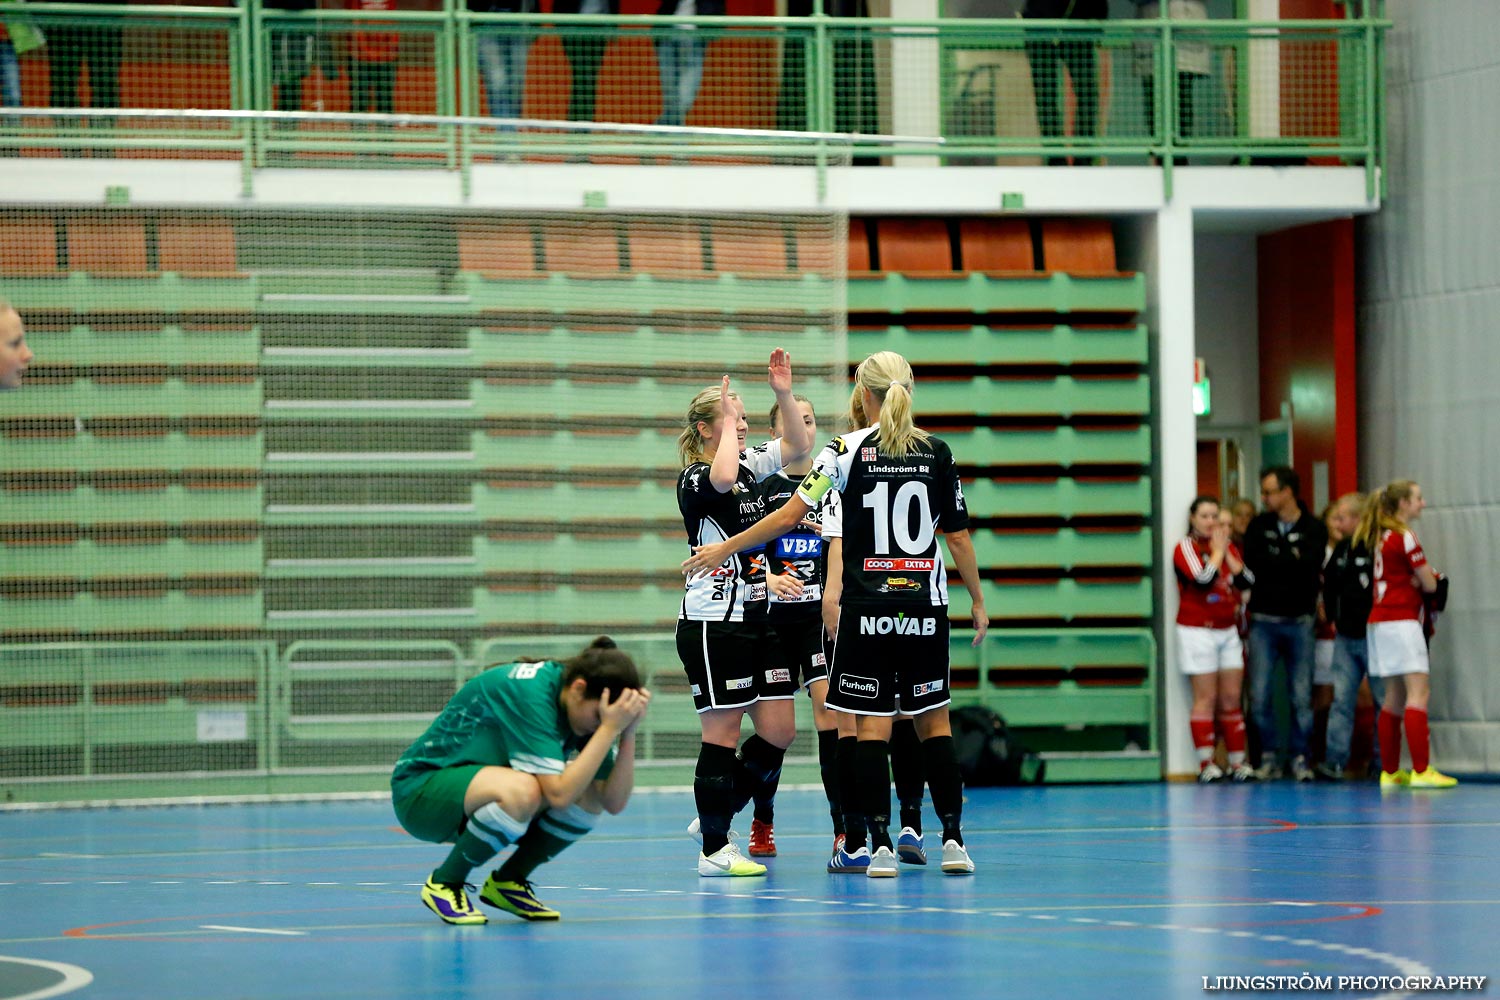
[(1006, 92)]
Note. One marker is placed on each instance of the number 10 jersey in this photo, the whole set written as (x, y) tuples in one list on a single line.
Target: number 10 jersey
[(893, 510)]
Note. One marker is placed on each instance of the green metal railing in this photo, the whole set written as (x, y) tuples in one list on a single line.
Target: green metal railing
[(994, 90)]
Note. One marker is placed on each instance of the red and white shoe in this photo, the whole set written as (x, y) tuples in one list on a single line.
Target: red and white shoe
[(762, 840)]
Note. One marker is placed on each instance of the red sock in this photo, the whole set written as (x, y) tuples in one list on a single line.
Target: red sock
[(1233, 726), (1203, 738), (1390, 741), (1416, 738)]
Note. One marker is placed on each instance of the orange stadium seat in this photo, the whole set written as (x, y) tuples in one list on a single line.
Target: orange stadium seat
[(748, 248), (666, 248), (197, 247), (1079, 246), (997, 246), (28, 245), (914, 246), (589, 251), (497, 248), (859, 247), (116, 247)]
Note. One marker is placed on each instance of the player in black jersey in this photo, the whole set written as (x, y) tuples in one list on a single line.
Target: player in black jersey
[(733, 661), (795, 565), (899, 489)]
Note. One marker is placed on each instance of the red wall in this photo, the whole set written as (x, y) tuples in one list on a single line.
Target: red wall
[(1306, 302)]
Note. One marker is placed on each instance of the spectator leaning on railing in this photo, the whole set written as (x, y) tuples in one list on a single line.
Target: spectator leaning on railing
[(1284, 551)]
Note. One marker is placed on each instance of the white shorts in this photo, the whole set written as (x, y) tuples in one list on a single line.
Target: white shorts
[(1209, 650), (1323, 661), (1396, 648)]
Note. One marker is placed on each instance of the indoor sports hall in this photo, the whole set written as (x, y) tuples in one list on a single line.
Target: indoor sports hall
[(345, 348)]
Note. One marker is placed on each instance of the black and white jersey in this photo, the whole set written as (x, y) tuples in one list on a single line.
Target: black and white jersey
[(892, 511), (800, 552), (736, 588)]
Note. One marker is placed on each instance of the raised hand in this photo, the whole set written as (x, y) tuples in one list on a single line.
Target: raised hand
[(779, 371)]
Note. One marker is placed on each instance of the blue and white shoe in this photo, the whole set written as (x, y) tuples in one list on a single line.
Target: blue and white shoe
[(909, 847), (855, 862)]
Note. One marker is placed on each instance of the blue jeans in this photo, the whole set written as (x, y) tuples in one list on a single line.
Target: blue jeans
[(10, 76), (1290, 643), (679, 60), (1351, 662), (502, 64)]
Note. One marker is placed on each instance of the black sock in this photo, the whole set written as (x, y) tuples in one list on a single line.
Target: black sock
[(757, 776), (947, 785), (907, 770), (848, 774), (828, 744), (874, 773), (713, 790)]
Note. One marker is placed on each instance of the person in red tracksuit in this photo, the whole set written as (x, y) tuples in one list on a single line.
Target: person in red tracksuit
[(1210, 574), (373, 51), (1397, 646)]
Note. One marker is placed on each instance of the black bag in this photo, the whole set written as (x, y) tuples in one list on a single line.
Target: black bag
[(987, 752)]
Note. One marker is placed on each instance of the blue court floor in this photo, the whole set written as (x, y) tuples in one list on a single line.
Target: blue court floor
[(1135, 891)]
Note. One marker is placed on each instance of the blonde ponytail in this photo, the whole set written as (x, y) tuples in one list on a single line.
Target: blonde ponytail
[(887, 375), (1380, 514), (691, 445)]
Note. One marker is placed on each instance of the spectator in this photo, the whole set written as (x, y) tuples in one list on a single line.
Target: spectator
[(293, 50), (585, 52), (502, 57), (1210, 575), (1192, 58), (1397, 647), (679, 59), (18, 36), (854, 107), (1284, 552), (372, 74), (1346, 602), (1323, 633), (1075, 50), (1242, 512), (75, 45)]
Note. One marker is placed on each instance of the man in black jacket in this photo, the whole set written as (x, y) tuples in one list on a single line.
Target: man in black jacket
[(1284, 549), (1346, 601)]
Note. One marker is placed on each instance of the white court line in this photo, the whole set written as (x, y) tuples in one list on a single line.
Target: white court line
[(250, 930), (73, 978)]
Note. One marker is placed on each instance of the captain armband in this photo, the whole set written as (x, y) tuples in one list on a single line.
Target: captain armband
[(813, 488)]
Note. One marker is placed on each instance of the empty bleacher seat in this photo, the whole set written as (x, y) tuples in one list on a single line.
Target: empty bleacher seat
[(666, 248), (28, 245), (914, 246), (586, 251), (497, 248), (197, 247), (750, 248), (113, 247), (996, 245), (859, 247), (1079, 246)]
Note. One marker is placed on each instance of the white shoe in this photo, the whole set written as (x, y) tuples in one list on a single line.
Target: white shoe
[(695, 830), (728, 861), (956, 859), (1209, 773), (883, 864)]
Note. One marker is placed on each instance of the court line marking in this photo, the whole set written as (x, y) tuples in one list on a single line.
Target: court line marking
[(250, 930), (73, 978)]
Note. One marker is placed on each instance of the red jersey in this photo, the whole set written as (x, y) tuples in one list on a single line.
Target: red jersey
[(1208, 598), (375, 46), (1397, 588)]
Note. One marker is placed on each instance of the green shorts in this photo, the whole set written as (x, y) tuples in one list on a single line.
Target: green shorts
[(434, 810)]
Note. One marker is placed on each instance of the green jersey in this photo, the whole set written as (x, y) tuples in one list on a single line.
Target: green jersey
[(510, 715)]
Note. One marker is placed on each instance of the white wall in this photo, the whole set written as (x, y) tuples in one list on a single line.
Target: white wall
[(1228, 337)]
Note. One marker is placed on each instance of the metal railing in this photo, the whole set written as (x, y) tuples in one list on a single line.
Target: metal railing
[(997, 91)]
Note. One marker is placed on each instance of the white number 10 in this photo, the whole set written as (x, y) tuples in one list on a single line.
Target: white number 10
[(887, 512)]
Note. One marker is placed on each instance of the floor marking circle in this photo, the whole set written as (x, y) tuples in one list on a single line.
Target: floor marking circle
[(73, 978)]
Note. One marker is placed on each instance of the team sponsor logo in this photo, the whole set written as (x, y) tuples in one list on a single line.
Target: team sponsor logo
[(839, 447), (931, 687), (867, 454), (819, 660), (900, 565), (899, 584), (799, 547), (896, 625), (779, 676), (858, 687), (756, 592), (739, 684)]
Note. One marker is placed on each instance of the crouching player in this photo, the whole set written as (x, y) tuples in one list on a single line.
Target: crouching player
[(523, 754)]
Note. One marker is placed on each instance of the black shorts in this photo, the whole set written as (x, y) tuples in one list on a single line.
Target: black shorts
[(890, 658), (802, 642), (733, 664)]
